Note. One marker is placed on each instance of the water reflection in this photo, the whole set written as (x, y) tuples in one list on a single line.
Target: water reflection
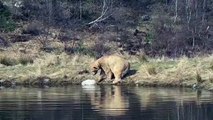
[(105, 102), (110, 101), (176, 104)]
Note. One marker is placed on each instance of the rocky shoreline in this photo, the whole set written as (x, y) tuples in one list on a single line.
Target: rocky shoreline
[(59, 82)]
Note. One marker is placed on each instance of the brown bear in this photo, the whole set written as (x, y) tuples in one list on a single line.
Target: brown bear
[(111, 65)]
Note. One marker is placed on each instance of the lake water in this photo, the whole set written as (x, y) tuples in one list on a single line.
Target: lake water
[(105, 103)]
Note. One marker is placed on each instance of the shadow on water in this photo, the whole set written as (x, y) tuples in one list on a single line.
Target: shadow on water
[(105, 102)]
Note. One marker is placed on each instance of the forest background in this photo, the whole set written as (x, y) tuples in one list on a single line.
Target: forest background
[(170, 28)]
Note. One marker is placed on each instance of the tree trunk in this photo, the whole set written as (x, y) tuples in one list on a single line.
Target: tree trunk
[(80, 9)]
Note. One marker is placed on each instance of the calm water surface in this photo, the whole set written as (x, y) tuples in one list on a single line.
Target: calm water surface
[(105, 103)]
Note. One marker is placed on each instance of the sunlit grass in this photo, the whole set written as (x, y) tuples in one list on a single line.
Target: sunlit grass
[(47, 64), (177, 71), (25, 66)]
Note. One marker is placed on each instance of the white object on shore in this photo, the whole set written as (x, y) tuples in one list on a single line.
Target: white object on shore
[(88, 82)]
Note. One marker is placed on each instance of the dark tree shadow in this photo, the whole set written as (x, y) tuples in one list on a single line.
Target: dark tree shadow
[(131, 72)]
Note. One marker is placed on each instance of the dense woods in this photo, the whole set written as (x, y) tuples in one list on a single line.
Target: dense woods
[(154, 27)]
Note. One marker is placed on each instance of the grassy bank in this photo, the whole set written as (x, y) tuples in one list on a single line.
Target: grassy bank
[(38, 68), (184, 72)]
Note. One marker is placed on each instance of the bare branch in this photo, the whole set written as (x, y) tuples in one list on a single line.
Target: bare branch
[(176, 11), (105, 13)]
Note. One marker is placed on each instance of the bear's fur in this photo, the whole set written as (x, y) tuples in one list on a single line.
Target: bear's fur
[(111, 65)]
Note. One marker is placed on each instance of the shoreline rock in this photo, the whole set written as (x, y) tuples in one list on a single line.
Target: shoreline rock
[(59, 82)]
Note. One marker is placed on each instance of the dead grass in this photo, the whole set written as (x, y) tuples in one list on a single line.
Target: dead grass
[(12, 58), (161, 69), (147, 70), (45, 65), (182, 71), (31, 63)]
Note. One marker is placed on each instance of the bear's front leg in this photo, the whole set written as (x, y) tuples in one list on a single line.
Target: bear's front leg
[(109, 75), (102, 76), (117, 77)]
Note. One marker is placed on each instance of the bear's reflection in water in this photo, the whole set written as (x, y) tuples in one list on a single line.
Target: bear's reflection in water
[(118, 100), (111, 101)]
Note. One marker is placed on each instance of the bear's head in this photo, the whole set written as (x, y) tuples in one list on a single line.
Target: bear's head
[(95, 66)]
